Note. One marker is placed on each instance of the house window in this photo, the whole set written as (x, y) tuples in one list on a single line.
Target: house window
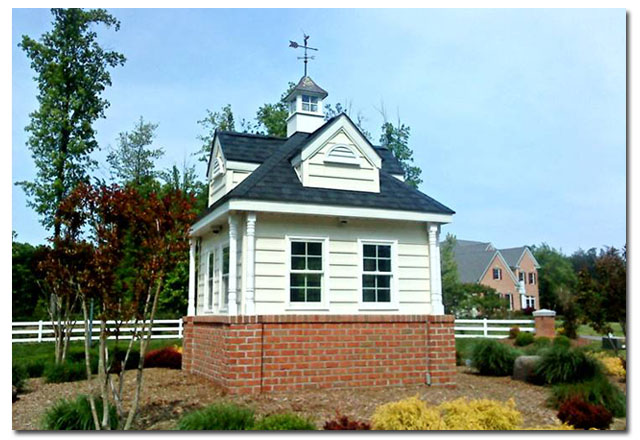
[(522, 277), (530, 302), (210, 260), (305, 279), (497, 273), (509, 298), (532, 278), (309, 103), (376, 277), (225, 278)]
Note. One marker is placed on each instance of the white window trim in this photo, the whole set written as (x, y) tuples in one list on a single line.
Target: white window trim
[(393, 305), (530, 298), (323, 305), (209, 292), (220, 251)]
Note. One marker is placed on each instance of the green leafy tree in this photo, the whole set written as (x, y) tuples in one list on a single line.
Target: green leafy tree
[(556, 277), (603, 297), (584, 260), (219, 120), (452, 292), (133, 160), (26, 292), (72, 72), (484, 300), (272, 118), (396, 139)]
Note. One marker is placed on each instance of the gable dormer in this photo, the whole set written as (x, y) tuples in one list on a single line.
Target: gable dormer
[(223, 175), (339, 157)]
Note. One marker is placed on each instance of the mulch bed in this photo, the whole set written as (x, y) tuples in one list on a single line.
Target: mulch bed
[(170, 393)]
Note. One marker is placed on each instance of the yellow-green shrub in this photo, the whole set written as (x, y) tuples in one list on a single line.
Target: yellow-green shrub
[(480, 414), (612, 365), (410, 414)]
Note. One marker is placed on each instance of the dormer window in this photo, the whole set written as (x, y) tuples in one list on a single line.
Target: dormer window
[(310, 103)]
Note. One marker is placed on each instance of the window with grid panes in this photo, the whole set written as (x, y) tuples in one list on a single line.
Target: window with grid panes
[(376, 276), (210, 261), (309, 103), (306, 272)]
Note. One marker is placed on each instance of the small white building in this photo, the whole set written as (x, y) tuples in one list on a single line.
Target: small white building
[(319, 222)]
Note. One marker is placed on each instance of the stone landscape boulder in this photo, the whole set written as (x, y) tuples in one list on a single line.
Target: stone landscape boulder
[(524, 367)]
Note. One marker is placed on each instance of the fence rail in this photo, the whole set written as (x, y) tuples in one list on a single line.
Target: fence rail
[(491, 328), (42, 331)]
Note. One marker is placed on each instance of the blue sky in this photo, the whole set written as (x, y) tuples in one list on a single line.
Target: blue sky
[(517, 116)]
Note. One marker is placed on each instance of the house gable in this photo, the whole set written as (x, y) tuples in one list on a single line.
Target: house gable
[(339, 157)]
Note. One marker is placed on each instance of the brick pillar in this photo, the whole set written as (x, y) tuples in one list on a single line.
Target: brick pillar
[(545, 323), (187, 343), (441, 350)]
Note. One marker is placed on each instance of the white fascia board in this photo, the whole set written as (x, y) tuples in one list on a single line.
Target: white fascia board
[(400, 177), (344, 123), (242, 166), (337, 211), (504, 262), (535, 262), (201, 224)]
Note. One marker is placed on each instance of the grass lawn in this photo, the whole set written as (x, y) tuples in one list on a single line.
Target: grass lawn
[(35, 351)]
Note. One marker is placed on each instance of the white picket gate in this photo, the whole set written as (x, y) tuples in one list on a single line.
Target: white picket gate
[(491, 328), (42, 331)]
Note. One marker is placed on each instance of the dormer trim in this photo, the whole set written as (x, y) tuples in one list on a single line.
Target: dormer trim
[(344, 123), (217, 154)]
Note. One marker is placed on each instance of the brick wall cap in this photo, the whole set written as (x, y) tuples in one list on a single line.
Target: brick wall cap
[(544, 312)]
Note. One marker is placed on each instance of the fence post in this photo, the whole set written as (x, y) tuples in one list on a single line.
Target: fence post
[(180, 328), (485, 327), (40, 331)]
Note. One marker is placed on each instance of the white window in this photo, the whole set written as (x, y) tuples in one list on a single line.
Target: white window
[(210, 272), (522, 277), (309, 103), (377, 274), (530, 302), (532, 278), (497, 273), (225, 278), (305, 277)]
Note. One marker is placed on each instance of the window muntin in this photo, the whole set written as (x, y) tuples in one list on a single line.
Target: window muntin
[(497, 273), (305, 278), (530, 302), (532, 278), (309, 103), (210, 261), (376, 277), (522, 276), (225, 278)]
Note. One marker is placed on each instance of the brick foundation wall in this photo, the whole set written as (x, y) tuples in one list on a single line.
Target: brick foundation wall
[(252, 354)]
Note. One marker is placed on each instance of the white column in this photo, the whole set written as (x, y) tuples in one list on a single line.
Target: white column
[(249, 301), (191, 309), (233, 265), (434, 268)]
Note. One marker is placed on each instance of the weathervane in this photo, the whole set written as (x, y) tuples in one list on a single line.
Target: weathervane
[(306, 57)]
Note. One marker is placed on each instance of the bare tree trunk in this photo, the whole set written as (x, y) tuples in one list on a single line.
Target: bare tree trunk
[(143, 347), (117, 392), (102, 375), (87, 363)]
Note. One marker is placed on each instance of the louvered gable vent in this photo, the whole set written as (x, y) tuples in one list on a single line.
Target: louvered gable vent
[(342, 154)]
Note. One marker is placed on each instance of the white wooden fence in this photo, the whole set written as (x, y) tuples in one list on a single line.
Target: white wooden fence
[(491, 328), (42, 331)]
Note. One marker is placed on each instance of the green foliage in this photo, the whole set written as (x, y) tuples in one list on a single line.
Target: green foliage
[(480, 415), (272, 118), (452, 293), (556, 278), (524, 338), (540, 344), (284, 422), (562, 341), (410, 414), (25, 291), (562, 365), (35, 368), (72, 72), (396, 139), (218, 417), (64, 372), (484, 299), (598, 391), (68, 415), (133, 160), (220, 120), (491, 358), (18, 376)]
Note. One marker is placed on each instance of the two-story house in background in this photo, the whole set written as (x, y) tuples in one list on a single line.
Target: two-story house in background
[(513, 272)]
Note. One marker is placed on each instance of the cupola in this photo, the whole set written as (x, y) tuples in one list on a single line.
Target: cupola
[(306, 113)]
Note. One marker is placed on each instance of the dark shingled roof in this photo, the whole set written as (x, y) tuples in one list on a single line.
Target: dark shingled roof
[(276, 180), (472, 261), (306, 84), (244, 147)]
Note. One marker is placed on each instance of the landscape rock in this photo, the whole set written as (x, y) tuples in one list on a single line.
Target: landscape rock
[(524, 366)]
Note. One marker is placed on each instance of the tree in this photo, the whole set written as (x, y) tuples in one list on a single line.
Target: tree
[(220, 120), (484, 300), (452, 292), (133, 160), (272, 118), (555, 276), (584, 260), (102, 223), (603, 296), (26, 292), (72, 72), (396, 139)]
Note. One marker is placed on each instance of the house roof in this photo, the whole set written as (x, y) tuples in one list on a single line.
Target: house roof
[(513, 255), (276, 180), (306, 84), (467, 243), (472, 262)]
